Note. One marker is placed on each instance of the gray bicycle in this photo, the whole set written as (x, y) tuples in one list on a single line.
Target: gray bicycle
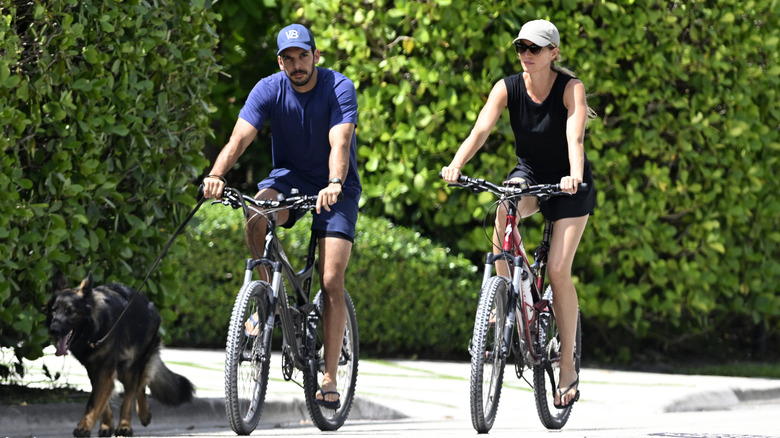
[(270, 305)]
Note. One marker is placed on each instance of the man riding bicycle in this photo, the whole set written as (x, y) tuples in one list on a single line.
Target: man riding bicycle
[(313, 115)]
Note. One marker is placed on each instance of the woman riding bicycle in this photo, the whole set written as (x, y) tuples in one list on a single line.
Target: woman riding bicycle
[(548, 112)]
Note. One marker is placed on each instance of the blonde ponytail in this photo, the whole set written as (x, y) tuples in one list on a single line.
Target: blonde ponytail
[(592, 115)]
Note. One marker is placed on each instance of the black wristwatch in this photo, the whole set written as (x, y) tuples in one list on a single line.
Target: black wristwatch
[(336, 180)]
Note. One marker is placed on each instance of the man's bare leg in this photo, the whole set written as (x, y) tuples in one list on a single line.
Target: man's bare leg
[(333, 260)]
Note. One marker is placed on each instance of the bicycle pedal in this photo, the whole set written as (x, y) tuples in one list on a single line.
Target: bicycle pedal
[(309, 308), (542, 305)]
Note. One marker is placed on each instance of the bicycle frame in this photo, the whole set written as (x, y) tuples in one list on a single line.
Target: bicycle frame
[(516, 297), (299, 314), (513, 252), (275, 258)]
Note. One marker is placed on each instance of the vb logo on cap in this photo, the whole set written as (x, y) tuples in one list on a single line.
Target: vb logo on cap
[(295, 35)]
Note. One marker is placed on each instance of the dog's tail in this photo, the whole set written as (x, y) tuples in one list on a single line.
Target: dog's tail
[(168, 387)]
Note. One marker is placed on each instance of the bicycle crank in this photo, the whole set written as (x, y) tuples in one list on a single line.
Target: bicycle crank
[(288, 366), (519, 361)]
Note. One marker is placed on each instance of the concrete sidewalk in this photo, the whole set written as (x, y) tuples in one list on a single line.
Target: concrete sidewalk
[(390, 390)]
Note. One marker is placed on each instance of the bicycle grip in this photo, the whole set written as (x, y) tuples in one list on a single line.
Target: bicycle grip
[(462, 179), (581, 187), (200, 191)]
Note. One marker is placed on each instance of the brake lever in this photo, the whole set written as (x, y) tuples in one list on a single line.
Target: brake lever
[(226, 201), (231, 198)]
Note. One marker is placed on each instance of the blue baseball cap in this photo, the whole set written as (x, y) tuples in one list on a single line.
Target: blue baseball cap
[(295, 35)]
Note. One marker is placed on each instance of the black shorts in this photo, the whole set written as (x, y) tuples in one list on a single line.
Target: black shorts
[(560, 207)]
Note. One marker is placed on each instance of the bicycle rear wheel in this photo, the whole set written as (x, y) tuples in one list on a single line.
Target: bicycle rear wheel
[(487, 361), (247, 358), (544, 389), (346, 377)]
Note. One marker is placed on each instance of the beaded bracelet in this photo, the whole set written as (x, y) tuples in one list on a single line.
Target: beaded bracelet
[(218, 177)]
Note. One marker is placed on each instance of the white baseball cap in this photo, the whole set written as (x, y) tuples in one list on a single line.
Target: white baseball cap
[(540, 32)]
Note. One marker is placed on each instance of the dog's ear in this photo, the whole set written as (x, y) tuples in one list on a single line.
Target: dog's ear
[(49, 305), (47, 309), (86, 285), (59, 282)]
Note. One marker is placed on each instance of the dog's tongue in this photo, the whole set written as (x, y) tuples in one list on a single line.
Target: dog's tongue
[(62, 345)]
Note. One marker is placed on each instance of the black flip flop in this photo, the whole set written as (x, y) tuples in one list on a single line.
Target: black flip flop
[(254, 324), (334, 404), (560, 394)]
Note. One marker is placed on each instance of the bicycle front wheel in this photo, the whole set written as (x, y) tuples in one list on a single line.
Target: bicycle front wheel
[(544, 384), (247, 358), (346, 378), (487, 360)]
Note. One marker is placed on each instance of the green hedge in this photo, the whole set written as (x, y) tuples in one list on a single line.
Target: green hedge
[(684, 240), (412, 298), (104, 117), (105, 110)]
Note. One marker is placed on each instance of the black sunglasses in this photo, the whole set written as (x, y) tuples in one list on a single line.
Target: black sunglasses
[(533, 48)]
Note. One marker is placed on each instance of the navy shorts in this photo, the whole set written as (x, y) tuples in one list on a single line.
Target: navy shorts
[(580, 204), (338, 222)]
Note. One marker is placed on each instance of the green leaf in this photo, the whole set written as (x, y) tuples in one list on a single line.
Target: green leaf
[(82, 84), (91, 55)]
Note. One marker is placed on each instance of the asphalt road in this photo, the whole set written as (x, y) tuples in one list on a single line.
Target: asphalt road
[(424, 398)]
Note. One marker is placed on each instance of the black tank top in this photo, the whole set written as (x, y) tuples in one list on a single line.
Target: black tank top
[(540, 130)]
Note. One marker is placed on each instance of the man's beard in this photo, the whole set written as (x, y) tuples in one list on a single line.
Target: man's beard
[(301, 82)]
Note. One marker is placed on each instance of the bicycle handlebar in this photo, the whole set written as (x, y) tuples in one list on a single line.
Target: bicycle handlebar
[(236, 199), (510, 189)]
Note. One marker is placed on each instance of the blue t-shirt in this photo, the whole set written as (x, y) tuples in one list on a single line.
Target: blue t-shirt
[(300, 123)]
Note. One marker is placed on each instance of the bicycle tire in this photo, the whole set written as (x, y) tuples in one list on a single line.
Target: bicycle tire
[(544, 392), (332, 419), (247, 359), (487, 362)]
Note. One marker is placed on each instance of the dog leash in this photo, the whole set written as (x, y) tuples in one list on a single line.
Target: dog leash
[(201, 200)]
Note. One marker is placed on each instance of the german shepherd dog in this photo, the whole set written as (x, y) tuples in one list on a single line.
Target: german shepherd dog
[(80, 317)]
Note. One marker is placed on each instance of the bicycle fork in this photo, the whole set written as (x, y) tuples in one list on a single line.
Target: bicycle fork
[(512, 296), (251, 264), (506, 348)]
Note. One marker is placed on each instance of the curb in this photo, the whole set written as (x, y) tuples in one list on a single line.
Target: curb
[(36, 420), (719, 400), (754, 395)]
